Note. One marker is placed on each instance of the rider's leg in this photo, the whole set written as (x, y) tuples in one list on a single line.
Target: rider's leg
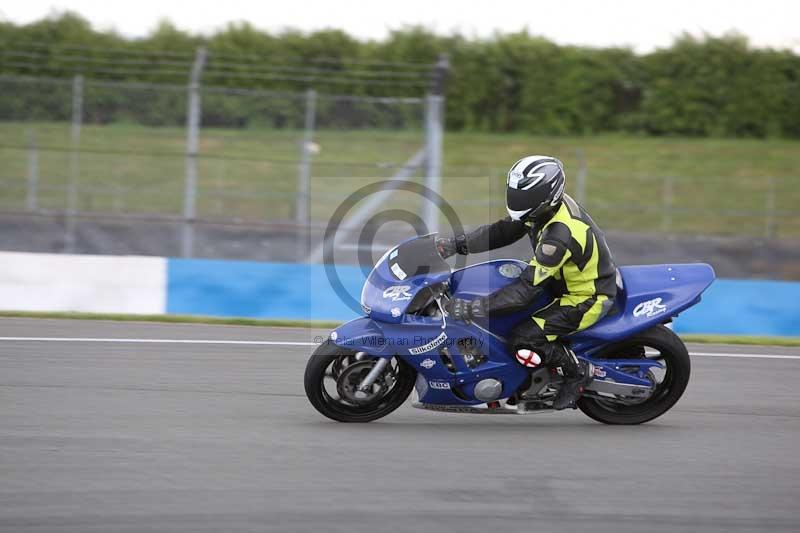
[(541, 335)]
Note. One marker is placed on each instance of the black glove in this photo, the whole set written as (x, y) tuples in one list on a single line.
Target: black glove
[(446, 247), (465, 310), (452, 246)]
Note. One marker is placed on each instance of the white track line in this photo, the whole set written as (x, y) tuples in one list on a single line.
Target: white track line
[(158, 341), (745, 355), (299, 343)]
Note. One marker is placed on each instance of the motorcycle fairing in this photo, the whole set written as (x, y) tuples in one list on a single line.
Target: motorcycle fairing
[(420, 346), (399, 276), (650, 295)]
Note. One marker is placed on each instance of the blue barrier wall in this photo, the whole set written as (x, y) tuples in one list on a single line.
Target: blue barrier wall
[(745, 307), (295, 291), (258, 290)]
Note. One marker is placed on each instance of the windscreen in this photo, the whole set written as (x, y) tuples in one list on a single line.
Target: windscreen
[(417, 257)]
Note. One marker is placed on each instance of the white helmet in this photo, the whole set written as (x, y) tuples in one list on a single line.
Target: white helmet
[(535, 187)]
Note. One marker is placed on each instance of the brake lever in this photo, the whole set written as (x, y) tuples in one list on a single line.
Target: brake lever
[(441, 309)]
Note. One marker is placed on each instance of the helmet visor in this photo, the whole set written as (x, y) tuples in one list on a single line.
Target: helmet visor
[(535, 200)]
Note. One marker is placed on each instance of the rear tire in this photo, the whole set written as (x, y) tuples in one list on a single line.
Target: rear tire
[(674, 354), (317, 371)]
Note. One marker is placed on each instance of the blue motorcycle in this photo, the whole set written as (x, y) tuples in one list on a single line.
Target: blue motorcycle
[(370, 365)]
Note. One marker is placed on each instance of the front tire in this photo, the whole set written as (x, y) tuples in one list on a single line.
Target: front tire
[(671, 352), (326, 378)]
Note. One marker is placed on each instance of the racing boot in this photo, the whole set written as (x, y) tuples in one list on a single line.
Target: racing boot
[(577, 374)]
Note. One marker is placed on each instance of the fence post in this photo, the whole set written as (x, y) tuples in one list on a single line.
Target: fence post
[(667, 201), (434, 133), (580, 178), (192, 144), (74, 163), (304, 172), (33, 172), (769, 222)]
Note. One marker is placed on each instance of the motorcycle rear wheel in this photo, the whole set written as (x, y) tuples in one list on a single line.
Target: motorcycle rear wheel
[(671, 352), (328, 366)]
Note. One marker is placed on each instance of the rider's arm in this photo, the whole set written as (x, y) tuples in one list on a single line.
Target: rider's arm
[(515, 296), (550, 255), (502, 233)]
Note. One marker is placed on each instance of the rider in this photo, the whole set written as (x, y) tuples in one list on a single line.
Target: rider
[(571, 261)]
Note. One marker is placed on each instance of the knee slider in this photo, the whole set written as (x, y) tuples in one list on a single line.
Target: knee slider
[(528, 357)]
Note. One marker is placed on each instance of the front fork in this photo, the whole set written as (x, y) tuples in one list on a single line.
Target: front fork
[(377, 370)]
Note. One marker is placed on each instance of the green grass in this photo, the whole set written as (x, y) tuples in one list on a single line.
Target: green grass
[(742, 339), (719, 186), (172, 319), (322, 324)]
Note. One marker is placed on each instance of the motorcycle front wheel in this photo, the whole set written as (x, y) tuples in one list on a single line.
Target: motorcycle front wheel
[(331, 382)]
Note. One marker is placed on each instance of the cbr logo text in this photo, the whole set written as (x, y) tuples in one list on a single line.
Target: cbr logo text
[(650, 308), (398, 293)]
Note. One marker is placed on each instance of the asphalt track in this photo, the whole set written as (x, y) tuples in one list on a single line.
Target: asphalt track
[(102, 435)]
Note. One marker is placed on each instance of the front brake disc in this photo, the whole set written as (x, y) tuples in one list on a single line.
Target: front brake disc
[(349, 379)]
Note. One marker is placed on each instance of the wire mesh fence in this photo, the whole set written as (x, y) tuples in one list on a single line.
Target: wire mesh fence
[(91, 147), (762, 207), (80, 149)]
